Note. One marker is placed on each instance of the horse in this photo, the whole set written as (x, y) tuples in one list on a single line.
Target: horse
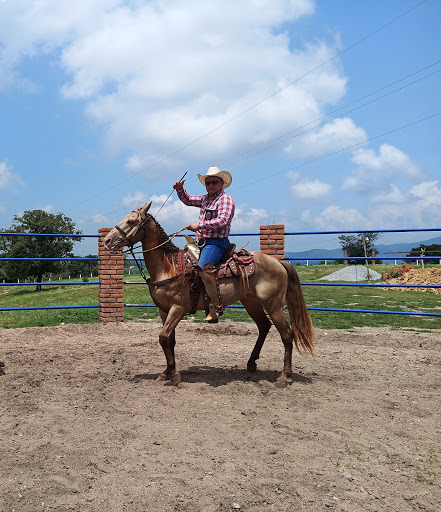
[(264, 294)]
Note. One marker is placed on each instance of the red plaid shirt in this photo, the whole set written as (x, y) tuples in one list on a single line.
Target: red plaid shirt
[(222, 208)]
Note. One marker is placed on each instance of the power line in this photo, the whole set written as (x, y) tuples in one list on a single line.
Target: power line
[(256, 104), (284, 137), (341, 150), (327, 155)]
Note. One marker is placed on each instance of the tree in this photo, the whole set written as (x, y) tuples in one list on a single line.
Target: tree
[(427, 250), (37, 221), (355, 245), (80, 268)]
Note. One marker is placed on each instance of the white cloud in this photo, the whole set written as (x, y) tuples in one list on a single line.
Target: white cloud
[(333, 136), (134, 200), (390, 195), (420, 208), (38, 27), (8, 179), (248, 219), (375, 170), (333, 217), (99, 219), (428, 192), (306, 188), (157, 76), (49, 208)]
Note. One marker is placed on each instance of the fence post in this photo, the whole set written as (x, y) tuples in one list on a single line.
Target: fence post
[(373, 254), (111, 278), (272, 240), (346, 255)]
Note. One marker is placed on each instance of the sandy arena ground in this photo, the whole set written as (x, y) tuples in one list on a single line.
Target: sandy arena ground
[(85, 427)]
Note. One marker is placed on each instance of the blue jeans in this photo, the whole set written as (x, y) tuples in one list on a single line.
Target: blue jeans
[(213, 250)]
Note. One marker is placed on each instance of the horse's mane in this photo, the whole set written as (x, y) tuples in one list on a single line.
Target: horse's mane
[(169, 247)]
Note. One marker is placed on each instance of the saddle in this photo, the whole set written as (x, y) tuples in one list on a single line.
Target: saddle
[(232, 264)]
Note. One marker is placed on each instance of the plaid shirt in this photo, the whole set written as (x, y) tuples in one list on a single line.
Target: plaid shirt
[(222, 208)]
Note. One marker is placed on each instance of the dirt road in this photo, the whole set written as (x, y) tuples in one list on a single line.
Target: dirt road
[(85, 427)]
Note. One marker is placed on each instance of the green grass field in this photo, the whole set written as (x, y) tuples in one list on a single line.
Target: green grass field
[(315, 296)]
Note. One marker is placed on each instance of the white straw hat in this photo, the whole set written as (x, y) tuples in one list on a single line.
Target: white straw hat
[(214, 171)]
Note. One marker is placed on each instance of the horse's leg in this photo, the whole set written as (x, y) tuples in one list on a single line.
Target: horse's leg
[(172, 342), (277, 315), (167, 342), (255, 310)]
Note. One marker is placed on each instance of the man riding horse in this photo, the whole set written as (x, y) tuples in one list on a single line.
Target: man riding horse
[(213, 225)]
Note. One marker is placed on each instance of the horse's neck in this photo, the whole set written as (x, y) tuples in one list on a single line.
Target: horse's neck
[(156, 261)]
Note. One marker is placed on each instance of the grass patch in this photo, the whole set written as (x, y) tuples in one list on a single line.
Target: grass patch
[(424, 480)]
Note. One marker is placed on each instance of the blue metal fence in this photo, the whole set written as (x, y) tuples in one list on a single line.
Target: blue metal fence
[(50, 283), (383, 285)]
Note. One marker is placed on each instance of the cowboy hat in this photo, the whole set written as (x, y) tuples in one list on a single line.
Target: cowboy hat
[(225, 176)]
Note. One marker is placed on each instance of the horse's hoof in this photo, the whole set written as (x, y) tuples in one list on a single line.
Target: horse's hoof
[(281, 383), (175, 379), (161, 379), (251, 367)]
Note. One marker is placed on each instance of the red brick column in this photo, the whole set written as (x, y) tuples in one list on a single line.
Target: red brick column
[(272, 240), (111, 277), (345, 252), (373, 253)]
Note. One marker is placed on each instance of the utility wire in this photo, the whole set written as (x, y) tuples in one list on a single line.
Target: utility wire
[(284, 137), (340, 150), (256, 104), (250, 183), (281, 139)]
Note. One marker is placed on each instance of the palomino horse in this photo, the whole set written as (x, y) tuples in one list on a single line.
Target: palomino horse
[(264, 294)]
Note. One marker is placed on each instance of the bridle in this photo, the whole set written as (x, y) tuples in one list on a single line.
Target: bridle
[(127, 236)]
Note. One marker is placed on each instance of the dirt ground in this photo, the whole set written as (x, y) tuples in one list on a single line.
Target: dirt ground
[(85, 427)]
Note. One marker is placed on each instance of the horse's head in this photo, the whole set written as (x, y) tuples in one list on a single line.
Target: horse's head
[(129, 230)]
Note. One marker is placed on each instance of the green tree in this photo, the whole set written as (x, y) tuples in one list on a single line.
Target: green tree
[(37, 221), (355, 245), (80, 268), (427, 250)]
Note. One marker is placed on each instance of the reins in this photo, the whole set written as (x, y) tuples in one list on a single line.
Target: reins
[(138, 264), (176, 233)]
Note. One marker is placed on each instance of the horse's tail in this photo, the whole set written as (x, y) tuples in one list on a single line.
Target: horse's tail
[(298, 312)]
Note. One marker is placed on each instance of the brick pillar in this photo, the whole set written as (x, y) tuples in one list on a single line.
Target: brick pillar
[(111, 277), (272, 240), (373, 253), (346, 255)]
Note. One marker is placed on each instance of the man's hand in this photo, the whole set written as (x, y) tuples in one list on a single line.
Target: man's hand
[(177, 185), (194, 226)]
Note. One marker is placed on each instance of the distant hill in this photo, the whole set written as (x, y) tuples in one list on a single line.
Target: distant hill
[(331, 254)]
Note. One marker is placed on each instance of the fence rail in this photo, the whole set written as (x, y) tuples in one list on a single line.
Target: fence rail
[(267, 244)]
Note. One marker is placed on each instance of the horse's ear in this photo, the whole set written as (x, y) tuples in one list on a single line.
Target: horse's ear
[(145, 208)]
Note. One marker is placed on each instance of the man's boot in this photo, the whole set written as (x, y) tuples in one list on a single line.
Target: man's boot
[(210, 280)]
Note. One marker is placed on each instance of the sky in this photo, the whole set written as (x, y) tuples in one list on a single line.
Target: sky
[(327, 114)]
